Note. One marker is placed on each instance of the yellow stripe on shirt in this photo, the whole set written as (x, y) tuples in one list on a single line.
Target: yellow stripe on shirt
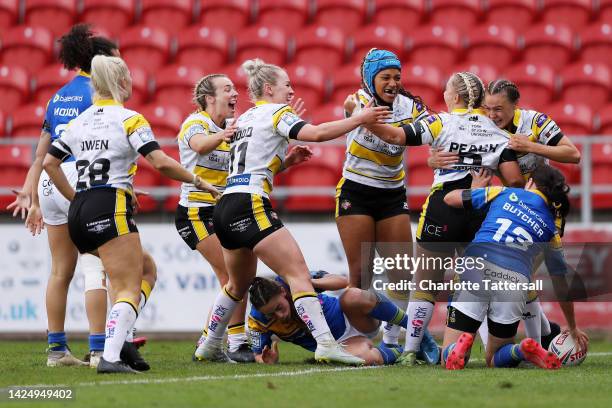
[(379, 158), (134, 123)]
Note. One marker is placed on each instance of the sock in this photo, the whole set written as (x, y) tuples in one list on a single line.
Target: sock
[(509, 355), (309, 309), (236, 336), (120, 321), (386, 311), (545, 329), (483, 332), (419, 314), (96, 342), (57, 341), (202, 338), (145, 294), (222, 310), (389, 354), (532, 319), (391, 332)]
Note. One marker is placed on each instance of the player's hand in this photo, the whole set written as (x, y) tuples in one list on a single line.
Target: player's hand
[(481, 178), (298, 106), (136, 203), (580, 338), (227, 133), (297, 155), (34, 222), (372, 115), (439, 159), (21, 204), (203, 185), (350, 103), (270, 355), (520, 143)]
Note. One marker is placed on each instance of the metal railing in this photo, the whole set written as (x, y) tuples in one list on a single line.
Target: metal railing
[(584, 190)]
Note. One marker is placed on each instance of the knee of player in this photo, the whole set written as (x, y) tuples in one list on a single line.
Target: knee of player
[(354, 298)]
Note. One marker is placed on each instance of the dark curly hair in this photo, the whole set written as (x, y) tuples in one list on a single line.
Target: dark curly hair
[(551, 182), (79, 46)]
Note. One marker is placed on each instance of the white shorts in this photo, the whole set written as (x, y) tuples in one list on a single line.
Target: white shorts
[(53, 204), (350, 332), (504, 307)]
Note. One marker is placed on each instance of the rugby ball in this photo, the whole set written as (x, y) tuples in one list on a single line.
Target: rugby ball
[(566, 350)]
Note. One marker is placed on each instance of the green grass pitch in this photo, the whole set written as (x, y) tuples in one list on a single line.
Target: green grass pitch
[(175, 381)]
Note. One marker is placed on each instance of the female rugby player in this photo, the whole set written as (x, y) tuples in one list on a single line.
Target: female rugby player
[(105, 141)]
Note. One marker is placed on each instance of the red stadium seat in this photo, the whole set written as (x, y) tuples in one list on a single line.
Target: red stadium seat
[(288, 15), (49, 80), (239, 78), (146, 177), (605, 120), (492, 44), (27, 47), (574, 119), (377, 36), (596, 43), (347, 15), (231, 15), (602, 168), (536, 83), (2, 125), (516, 13), (605, 11), (549, 44), (425, 81), (326, 113), (265, 42), (461, 14), (400, 13), (27, 120), (418, 174), (172, 201), (573, 13), (145, 47), (346, 80), (323, 45), (172, 16), (324, 169), (486, 72), (308, 82), (165, 120), (55, 15), (436, 43), (174, 86), (9, 13), (140, 87), (588, 83), (14, 86), (205, 47), (14, 167), (112, 15)]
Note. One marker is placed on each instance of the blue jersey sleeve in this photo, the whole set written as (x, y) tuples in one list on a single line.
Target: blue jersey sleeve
[(259, 335), (482, 197)]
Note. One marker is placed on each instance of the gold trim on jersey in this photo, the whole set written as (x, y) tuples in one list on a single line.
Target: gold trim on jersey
[(187, 125), (436, 127), (132, 171), (134, 123), (120, 213), (201, 197), (276, 116), (476, 111), (421, 223), (538, 192), (107, 102), (259, 213), (193, 216), (213, 176), (398, 177), (338, 192), (380, 158), (83, 74)]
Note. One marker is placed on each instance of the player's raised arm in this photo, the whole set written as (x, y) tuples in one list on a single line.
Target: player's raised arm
[(509, 170)]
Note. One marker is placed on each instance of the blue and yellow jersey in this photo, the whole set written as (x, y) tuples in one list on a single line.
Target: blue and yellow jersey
[(69, 102), (261, 327), (516, 219)]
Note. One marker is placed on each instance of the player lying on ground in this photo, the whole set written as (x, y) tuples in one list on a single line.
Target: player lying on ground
[(353, 318), (520, 219)]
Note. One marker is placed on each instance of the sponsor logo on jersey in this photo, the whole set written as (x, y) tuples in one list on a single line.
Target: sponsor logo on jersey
[(145, 134), (345, 204), (240, 180), (513, 197), (67, 98), (431, 119), (541, 119), (468, 148), (70, 112), (242, 133), (289, 119)]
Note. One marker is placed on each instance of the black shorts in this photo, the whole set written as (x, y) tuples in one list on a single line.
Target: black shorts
[(379, 203), (455, 319), (194, 223), (241, 220), (98, 215), (446, 226)]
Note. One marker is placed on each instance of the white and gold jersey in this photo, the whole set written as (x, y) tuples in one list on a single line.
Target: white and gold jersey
[(259, 146), (211, 167), (369, 159), (105, 140), (473, 136), (540, 129)]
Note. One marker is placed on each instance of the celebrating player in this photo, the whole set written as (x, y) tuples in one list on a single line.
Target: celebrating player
[(480, 145), (371, 198), (244, 221), (105, 141), (516, 221), (354, 319)]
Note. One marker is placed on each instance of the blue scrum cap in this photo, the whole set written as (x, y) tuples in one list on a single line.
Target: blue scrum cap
[(375, 61)]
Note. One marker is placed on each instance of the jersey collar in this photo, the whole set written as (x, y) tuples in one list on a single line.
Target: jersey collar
[(83, 74), (259, 103), (107, 102), (462, 111), (538, 192)]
